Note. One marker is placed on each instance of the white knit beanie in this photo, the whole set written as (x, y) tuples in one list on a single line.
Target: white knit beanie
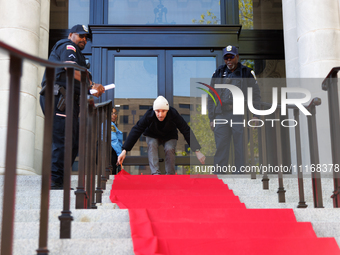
[(160, 104)]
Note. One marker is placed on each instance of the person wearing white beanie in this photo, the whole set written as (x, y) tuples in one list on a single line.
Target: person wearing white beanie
[(160, 103), (159, 124)]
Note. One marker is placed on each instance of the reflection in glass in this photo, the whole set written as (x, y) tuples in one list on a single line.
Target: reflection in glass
[(164, 12), (79, 12), (185, 68), (136, 89), (257, 14), (66, 14), (136, 77)]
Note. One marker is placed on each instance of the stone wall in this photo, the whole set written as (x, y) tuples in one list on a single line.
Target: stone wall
[(24, 25)]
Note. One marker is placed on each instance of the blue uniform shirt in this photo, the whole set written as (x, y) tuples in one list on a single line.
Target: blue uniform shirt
[(116, 139)]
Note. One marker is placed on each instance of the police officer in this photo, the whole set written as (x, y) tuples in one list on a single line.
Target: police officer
[(66, 50), (232, 72)]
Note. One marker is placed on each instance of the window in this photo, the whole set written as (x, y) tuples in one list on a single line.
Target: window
[(124, 119), (65, 14), (184, 106), (186, 117), (164, 12), (145, 107), (125, 107), (143, 150), (128, 70), (124, 136)]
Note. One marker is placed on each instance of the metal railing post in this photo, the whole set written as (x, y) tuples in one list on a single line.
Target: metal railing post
[(104, 169), (65, 217), (331, 85), (80, 193), (8, 207), (89, 157), (108, 152), (252, 157), (314, 153), (46, 164), (93, 156), (265, 179), (100, 138), (302, 203), (245, 140), (281, 191)]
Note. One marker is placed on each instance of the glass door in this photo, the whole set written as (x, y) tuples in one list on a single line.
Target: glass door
[(139, 79), (181, 67), (141, 75)]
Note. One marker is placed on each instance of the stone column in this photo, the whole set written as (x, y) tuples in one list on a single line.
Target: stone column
[(312, 49), (292, 66), (20, 28), (43, 53)]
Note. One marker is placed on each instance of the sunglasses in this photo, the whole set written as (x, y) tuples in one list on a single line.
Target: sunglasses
[(229, 56), (81, 36)]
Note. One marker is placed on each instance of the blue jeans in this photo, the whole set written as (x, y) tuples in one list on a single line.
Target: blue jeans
[(170, 153)]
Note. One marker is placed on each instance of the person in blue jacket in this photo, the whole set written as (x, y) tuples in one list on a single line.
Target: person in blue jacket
[(159, 124), (116, 141)]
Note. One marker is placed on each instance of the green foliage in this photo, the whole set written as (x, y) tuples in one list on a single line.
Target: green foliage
[(248, 62), (246, 14), (200, 125), (256, 147), (208, 18)]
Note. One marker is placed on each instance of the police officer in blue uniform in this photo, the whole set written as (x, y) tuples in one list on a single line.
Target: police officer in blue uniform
[(232, 72), (66, 50)]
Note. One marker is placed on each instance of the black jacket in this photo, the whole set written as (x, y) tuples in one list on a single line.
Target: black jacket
[(164, 130), (66, 50), (221, 76)]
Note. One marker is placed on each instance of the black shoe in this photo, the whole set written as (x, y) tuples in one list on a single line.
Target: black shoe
[(56, 186)]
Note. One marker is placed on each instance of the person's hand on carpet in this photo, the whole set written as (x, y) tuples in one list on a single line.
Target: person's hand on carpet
[(121, 157), (200, 157)]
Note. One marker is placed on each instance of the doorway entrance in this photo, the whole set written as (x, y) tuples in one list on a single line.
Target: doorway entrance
[(141, 75)]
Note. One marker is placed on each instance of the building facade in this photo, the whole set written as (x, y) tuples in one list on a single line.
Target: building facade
[(153, 47)]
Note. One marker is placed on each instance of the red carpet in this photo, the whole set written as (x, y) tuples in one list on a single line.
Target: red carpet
[(180, 214)]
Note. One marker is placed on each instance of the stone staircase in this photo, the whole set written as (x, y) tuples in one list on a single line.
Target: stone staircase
[(325, 220), (107, 229), (102, 231)]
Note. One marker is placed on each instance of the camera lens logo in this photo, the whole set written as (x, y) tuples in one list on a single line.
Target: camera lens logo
[(204, 97)]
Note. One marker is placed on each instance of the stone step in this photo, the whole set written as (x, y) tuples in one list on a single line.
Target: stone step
[(24, 203), (79, 230), (22, 189), (107, 206), (30, 179), (102, 246), (273, 183), (327, 229), (79, 215), (252, 194), (317, 214)]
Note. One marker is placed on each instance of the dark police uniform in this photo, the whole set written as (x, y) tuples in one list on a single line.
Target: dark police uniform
[(63, 50), (243, 78)]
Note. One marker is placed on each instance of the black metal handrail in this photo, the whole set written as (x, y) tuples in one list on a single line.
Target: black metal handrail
[(86, 109), (96, 148), (314, 154), (330, 84)]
